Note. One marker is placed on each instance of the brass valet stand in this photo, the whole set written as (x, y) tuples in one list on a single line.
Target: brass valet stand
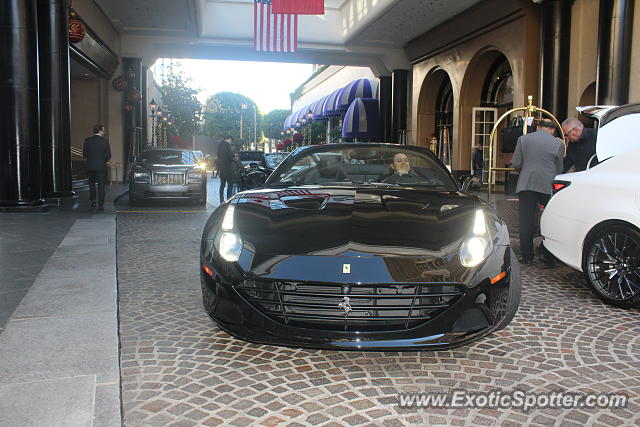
[(530, 110)]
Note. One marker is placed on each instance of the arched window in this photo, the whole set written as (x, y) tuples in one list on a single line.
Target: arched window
[(497, 90)]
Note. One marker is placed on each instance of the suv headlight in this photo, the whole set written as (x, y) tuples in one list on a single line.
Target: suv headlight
[(477, 247), (141, 176), (194, 175)]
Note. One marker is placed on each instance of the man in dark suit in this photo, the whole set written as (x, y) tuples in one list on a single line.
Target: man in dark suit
[(538, 157), (582, 145), (97, 151), (224, 164)]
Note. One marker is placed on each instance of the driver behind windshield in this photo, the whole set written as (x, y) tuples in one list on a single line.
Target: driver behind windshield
[(399, 170)]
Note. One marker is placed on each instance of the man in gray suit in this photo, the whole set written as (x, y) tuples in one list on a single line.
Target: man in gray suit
[(539, 157)]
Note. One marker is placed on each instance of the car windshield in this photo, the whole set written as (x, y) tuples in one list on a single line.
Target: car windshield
[(373, 165), (168, 157), (274, 159)]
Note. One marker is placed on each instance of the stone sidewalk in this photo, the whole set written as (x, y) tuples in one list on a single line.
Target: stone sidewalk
[(59, 362)]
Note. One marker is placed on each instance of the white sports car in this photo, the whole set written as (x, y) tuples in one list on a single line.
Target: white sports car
[(592, 222)]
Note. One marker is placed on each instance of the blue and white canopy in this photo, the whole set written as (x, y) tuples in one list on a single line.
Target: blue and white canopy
[(329, 108), (361, 119), (361, 88), (317, 107)]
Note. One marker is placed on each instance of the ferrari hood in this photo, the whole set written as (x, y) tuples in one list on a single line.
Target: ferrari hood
[(361, 221)]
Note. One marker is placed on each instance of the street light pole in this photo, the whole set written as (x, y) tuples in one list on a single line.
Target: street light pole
[(153, 105), (255, 137)]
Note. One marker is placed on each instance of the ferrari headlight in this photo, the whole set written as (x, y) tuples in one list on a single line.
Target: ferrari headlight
[(229, 246), (478, 246)]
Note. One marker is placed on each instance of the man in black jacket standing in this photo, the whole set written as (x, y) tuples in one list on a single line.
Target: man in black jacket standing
[(224, 163), (97, 151), (581, 145)]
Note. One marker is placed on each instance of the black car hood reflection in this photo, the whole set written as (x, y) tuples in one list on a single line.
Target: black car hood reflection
[(339, 221)]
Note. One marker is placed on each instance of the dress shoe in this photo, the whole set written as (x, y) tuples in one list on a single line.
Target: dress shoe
[(93, 204), (525, 260), (100, 209)]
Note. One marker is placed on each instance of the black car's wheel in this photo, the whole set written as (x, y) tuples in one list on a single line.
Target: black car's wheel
[(509, 298), (132, 199), (203, 200), (611, 265)]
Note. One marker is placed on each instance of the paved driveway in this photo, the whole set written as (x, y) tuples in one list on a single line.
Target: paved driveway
[(178, 368)]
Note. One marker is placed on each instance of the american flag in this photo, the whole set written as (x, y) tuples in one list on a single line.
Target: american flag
[(300, 7), (273, 32)]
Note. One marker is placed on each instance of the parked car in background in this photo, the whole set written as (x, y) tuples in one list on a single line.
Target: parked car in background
[(330, 254), (274, 159), (592, 222), (252, 156), (168, 173)]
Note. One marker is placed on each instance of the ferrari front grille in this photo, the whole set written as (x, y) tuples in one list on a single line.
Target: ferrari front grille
[(350, 307)]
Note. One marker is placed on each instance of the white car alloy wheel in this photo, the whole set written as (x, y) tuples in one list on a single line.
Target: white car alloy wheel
[(612, 265)]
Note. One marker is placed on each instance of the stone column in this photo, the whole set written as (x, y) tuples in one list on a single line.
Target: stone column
[(55, 127), (614, 51), (384, 102), (399, 95), (555, 45), (19, 124)]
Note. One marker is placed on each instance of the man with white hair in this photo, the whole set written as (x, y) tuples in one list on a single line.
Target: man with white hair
[(581, 147)]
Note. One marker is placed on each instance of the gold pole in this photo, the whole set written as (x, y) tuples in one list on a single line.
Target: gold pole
[(530, 110)]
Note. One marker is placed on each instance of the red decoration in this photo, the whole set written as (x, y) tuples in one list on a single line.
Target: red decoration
[(298, 138), (134, 96), (287, 142), (76, 29), (280, 146), (119, 84), (131, 74)]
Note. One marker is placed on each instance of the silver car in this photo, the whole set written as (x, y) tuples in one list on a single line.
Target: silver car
[(168, 173)]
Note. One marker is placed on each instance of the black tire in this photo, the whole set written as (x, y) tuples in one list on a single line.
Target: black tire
[(511, 295), (611, 265), (132, 200), (203, 200)]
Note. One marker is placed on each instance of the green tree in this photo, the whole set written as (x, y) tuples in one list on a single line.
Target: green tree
[(180, 99), (223, 113), (273, 123)]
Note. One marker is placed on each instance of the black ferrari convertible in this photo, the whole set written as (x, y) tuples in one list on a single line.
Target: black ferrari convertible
[(359, 246)]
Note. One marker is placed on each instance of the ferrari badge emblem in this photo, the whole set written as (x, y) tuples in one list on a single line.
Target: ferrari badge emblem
[(345, 305), (346, 268)]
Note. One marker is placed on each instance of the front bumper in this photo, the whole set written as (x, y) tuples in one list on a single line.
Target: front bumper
[(188, 191), (472, 315)]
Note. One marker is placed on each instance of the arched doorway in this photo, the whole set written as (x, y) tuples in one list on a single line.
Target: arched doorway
[(435, 114), (588, 98), (487, 93)]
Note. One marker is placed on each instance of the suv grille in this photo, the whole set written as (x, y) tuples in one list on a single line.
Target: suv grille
[(350, 307), (168, 178)]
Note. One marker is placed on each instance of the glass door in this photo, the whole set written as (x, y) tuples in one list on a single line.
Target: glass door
[(483, 120)]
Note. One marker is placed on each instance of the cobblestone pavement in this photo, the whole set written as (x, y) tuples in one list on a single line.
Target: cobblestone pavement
[(178, 368)]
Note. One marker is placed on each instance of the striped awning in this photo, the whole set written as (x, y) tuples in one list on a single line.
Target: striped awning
[(287, 122), (329, 108), (361, 88), (317, 107), (361, 119)]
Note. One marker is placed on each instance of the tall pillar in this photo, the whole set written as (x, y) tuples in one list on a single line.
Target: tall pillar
[(55, 127), (399, 95), (19, 126), (133, 111), (555, 44), (384, 102), (614, 52)]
